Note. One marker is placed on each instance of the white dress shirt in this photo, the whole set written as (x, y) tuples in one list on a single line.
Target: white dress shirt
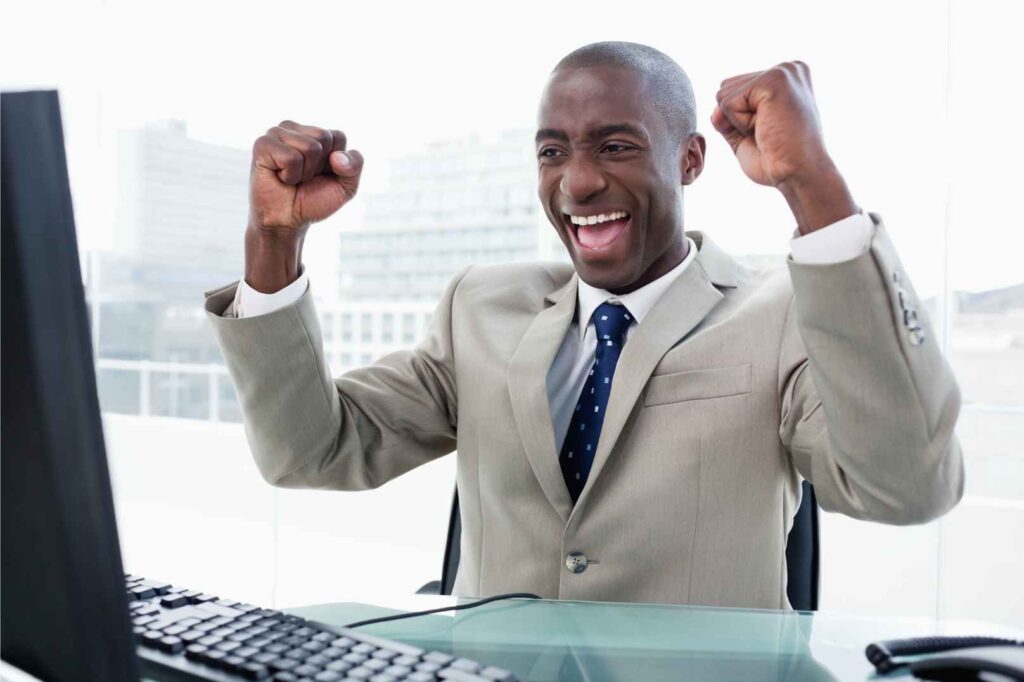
[(840, 241)]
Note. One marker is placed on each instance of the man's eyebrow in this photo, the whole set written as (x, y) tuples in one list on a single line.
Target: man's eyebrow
[(605, 131), (594, 133), (551, 132)]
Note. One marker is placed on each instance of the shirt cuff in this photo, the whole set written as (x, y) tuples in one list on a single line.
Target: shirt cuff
[(250, 303), (841, 241)]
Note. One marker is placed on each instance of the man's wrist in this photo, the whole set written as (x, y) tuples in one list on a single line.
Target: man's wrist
[(818, 199), (273, 257)]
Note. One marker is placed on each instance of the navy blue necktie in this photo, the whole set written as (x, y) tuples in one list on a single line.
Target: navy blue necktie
[(611, 322)]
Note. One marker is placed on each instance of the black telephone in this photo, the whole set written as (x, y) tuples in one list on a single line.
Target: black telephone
[(974, 657)]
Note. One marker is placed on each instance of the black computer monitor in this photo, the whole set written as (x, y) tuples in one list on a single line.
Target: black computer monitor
[(62, 595)]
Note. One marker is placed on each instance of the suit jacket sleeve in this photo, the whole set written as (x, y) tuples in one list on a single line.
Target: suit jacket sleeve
[(867, 415), (358, 431)]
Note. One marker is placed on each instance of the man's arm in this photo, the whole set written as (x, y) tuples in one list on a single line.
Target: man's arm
[(305, 429), (358, 431), (868, 402)]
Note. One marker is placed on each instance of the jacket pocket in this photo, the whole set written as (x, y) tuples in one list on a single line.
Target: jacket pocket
[(697, 384)]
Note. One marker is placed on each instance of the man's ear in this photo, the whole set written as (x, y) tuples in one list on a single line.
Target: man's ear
[(691, 158)]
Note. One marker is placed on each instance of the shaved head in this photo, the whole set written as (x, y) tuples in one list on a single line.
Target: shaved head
[(668, 83)]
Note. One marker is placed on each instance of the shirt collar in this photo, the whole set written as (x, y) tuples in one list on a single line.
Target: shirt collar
[(638, 302)]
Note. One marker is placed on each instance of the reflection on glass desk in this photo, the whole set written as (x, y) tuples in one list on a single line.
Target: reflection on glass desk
[(568, 641)]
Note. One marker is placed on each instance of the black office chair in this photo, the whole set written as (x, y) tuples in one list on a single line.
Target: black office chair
[(802, 554)]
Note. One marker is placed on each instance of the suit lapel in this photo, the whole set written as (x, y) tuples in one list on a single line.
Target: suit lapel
[(677, 312), (527, 389)]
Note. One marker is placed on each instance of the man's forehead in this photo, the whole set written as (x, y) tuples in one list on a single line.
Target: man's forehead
[(589, 100)]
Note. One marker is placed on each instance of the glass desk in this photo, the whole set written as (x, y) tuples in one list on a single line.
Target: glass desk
[(569, 641)]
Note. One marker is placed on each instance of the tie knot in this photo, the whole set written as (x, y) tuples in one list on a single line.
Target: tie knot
[(611, 322)]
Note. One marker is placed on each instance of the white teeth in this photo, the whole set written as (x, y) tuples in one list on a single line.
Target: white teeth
[(595, 219)]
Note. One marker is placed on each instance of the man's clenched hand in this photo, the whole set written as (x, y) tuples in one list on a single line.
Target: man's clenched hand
[(770, 120), (300, 175)]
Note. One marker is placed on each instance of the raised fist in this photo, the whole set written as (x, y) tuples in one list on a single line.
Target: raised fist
[(300, 175)]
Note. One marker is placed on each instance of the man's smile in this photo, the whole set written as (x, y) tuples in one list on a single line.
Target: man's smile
[(595, 233)]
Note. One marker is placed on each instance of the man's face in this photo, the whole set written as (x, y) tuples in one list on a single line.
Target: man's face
[(605, 151)]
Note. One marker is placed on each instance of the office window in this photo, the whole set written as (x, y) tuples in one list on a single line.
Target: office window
[(366, 327), (159, 151)]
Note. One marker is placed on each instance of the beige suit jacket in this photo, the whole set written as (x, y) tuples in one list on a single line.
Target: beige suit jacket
[(737, 385)]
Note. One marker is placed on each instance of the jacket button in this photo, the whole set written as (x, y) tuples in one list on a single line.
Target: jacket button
[(576, 562), (916, 336)]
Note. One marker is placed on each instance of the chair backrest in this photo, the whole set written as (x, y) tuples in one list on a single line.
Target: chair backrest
[(802, 552)]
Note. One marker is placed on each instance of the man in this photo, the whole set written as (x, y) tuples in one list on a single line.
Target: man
[(634, 427)]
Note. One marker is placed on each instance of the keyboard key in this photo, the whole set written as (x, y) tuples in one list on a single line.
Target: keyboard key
[(177, 590), (284, 664), (339, 666), (264, 658), (359, 674), (314, 647), (343, 643), (192, 636), (429, 668), (157, 586), (251, 618), (195, 651), (202, 599), (306, 670), (240, 636), (232, 663), (456, 675), (138, 631), (228, 646), (325, 637), (466, 665), (246, 652), (227, 603), (214, 657), (355, 659), (147, 610), (375, 664), (142, 592), (410, 661), (438, 657), (420, 677), (398, 670), (171, 645), (191, 595), (318, 660), (297, 654), (245, 608), (259, 642), (383, 677), (143, 620), (210, 640), (277, 648), (173, 601), (254, 671), (327, 676), (285, 677), (498, 675), (385, 654), (152, 638), (175, 629), (206, 627), (363, 648)]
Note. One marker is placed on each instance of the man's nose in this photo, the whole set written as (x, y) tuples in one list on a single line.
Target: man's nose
[(581, 180)]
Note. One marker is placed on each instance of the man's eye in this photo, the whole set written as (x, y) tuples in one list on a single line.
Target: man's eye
[(548, 152), (616, 148)]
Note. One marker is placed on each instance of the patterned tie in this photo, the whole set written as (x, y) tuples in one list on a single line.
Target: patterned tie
[(611, 322)]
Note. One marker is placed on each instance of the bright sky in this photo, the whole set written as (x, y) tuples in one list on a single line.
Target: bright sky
[(909, 129)]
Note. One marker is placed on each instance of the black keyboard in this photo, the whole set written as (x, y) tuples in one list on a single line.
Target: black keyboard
[(187, 635)]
